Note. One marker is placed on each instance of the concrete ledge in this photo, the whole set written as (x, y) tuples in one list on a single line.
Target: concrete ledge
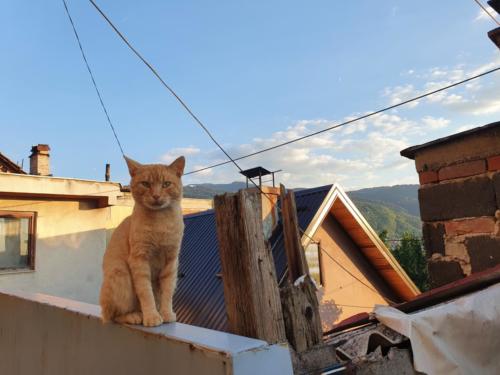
[(17, 185), (42, 334)]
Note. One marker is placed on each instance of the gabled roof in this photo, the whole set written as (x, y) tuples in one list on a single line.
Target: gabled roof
[(338, 204), (199, 298), (10, 165)]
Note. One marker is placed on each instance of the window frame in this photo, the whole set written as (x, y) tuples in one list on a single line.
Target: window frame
[(32, 216), (320, 261)]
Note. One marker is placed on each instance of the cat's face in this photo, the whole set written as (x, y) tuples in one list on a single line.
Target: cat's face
[(156, 186)]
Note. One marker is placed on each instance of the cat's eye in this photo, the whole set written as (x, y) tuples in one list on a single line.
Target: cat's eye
[(145, 184), (166, 184)]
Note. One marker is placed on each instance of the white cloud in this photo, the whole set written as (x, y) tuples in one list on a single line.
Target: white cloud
[(435, 122), (478, 97), (174, 153), (366, 152), (399, 94), (354, 158)]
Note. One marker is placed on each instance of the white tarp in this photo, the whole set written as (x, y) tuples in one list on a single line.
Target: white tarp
[(461, 336)]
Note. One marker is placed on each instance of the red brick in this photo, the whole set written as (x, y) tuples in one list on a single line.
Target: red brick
[(466, 169), (494, 163), (428, 177), (466, 226)]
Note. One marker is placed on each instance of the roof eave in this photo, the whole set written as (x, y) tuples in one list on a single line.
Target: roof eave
[(337, 191)]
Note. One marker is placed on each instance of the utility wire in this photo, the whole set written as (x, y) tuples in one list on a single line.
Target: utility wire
[(92, 77), (231, 160), (487, 12), (153, 70), (186, 107), (346, 270), (349, 121)]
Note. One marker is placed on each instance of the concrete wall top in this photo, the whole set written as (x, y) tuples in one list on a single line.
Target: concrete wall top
[(46, 334), (46, 186)]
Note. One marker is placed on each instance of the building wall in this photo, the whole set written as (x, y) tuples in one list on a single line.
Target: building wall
[(342, 296), (460, 205), (70, 242), (72, 236)]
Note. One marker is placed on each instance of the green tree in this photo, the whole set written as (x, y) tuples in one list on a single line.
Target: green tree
[(409, 253)]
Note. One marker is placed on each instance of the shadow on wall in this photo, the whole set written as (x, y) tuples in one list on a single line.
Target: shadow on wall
[(328, 310), (68, 266)]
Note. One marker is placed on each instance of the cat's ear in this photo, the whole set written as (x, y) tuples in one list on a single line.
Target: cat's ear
[(178, 166), (132, 166)]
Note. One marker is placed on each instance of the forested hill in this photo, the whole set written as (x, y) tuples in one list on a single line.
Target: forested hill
[(393, 208)]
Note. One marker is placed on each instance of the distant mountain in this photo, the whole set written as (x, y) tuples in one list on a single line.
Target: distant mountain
[(210, 190), (402, 197), (393, 208)]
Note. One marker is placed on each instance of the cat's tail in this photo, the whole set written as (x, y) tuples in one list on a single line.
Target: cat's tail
[(108, 311)]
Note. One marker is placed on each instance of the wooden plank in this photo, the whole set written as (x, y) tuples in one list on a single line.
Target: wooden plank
[(297, 264), (251, 291), (299, 302), (301, 315)]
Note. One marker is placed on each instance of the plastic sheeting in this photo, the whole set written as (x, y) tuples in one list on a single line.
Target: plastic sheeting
[(461, 336)]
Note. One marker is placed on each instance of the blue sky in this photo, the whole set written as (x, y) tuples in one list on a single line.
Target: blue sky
[(257, 73)]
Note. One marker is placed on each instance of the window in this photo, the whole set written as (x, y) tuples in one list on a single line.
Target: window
[(313, 257), (17, 240)]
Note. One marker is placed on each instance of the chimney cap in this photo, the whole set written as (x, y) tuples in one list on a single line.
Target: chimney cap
[(255, 172), (40, 147)]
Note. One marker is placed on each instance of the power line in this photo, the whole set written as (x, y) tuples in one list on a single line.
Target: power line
[(153, 70), (348, 122), (231, 160), (487, 12), (171, 90), (346, 270), (92, 77)]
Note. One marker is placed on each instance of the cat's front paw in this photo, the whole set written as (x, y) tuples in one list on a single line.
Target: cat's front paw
[(168, 316), (152, 319)]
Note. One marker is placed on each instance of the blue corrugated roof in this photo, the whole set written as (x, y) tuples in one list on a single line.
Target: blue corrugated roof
[(199, 298)]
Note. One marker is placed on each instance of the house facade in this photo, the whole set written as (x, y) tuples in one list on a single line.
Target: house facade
[(353, 268), (54, 231)]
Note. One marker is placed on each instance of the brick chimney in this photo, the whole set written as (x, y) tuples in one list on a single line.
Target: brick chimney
[(459, 198), (39, 160)]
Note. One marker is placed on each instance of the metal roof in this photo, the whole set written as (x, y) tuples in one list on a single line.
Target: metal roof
[(10, 165), (199, 298)]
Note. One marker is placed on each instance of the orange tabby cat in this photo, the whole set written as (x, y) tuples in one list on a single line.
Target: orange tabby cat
[(140, 263)]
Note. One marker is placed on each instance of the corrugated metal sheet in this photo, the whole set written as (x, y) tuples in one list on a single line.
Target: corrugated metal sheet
[(199, 299)]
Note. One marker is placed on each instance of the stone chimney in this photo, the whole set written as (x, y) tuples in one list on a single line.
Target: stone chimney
[(39, 160), (459, 198)]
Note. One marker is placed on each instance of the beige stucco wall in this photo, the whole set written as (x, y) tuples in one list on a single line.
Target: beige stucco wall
[(341, 295), (72, 235), (70, 242)]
